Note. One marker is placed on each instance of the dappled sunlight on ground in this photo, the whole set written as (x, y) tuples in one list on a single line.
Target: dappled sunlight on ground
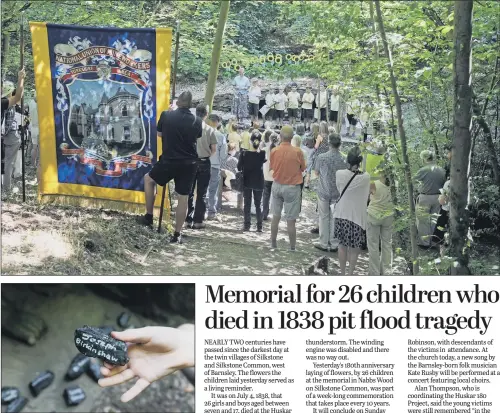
[(65, 240), (35, 248)]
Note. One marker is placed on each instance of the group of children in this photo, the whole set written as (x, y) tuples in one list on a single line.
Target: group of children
[(310, 108)]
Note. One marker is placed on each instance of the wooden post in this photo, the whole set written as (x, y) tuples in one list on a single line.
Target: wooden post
[(23, 133), (216, 51), (173, 81)]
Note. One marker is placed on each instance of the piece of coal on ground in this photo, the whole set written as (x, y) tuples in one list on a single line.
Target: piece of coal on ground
[(17, 405), (42, 381), (79, 365), (123, 320), (73, 395), (92, 342), (94, 371), (107, 329), (10, 394)]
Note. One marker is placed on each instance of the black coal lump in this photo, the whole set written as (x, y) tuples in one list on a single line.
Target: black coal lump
[(17, 405), (73, 395), (42, 381), (123, 320), (94, 371), (107, 329), (79, 365), (92, 342), (10, 394)]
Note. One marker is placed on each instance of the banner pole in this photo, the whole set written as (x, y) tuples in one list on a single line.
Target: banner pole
[(23, 133), (176, 57)]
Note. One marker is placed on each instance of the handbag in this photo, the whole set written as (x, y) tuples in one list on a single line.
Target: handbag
[(237, 182), (334, 205)]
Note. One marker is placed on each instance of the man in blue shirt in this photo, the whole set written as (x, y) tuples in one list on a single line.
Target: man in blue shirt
[(326, 167)]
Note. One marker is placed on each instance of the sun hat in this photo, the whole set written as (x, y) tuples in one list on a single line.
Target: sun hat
[(7, 88)]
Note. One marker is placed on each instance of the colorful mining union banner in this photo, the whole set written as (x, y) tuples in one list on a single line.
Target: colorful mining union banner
[(100, 92)]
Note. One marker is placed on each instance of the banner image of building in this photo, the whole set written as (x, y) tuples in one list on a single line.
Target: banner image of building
[(101, 92)]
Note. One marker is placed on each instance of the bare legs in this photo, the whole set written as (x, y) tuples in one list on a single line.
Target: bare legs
[(182, 203), (342, 259), (292, 233), (181, 212), (348, 254), (274, 230), (291, 229), (150, 193)]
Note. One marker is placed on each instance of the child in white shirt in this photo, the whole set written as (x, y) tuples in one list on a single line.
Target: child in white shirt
[(254, 95), (281, 102), (293, 104), (307, 101)]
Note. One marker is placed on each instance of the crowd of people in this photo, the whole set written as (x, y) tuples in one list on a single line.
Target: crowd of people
[(270, 168), (271, 165)]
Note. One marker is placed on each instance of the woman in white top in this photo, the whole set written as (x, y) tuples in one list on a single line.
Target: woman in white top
[(379, 228), (350, 212)]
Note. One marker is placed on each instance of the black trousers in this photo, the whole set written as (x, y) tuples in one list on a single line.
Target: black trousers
[(247, 205), (267, 197), (441, 226), (196, 213)]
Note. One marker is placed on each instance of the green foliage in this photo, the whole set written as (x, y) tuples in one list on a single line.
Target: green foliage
[(347, 51)]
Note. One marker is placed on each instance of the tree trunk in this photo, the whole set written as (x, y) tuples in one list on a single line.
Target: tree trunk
[(214, 65), (489, 142), (375, 48), (6, 41), (460, 161), (402, 136)]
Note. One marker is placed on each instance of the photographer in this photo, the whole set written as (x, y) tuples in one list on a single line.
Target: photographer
[(10, 133)]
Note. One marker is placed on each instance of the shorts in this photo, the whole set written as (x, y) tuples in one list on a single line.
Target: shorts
[(351, 119), (270, 114), (308, 113), (287, 196), (253, 109), (293, 113), (183, 172), (34, 135), (334, 116), (279, 114)]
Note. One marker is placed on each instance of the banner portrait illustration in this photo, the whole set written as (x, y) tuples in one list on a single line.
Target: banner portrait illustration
[(98, 109)]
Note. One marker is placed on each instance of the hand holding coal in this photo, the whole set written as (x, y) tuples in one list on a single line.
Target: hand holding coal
[(154, 352), (92, 342)]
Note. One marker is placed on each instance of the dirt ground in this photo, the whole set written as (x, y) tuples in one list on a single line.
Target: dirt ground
[(63, 240), (64, 313), (57, 240)]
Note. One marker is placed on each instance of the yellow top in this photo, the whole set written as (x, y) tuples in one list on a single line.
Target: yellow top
[(371, 163), (245, 140), (233, 137)]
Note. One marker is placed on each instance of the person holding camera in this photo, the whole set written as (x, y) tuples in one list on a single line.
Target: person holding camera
[(11, 140)]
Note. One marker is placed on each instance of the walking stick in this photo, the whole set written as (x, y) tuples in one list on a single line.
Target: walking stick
[(174, 77), (23, 133)]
